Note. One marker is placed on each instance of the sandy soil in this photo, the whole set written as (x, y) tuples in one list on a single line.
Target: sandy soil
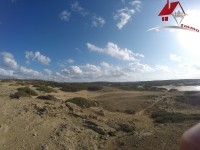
[(30, 123)]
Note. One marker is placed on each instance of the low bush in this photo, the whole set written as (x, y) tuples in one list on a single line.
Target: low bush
[(6, 80), (94, 88), (173, 90), (23, 92), (72, 88), (15, 95), (45, 89), (191, 92), (26, 91), (47, 97), (193, 100), (82, 102), (127, 127), (128, 111), (162, 116)]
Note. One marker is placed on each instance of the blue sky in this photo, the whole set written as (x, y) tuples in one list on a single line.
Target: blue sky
[(96, 40)]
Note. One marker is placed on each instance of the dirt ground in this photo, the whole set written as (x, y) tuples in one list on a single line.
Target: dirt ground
[(121, 121)]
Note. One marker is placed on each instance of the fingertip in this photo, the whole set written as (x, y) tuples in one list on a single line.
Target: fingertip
[(191, 139)]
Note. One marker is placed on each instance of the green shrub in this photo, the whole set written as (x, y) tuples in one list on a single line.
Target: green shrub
[(161, 116), (191, 92), (23, 92), (94, 88), (128, 111), (72, 87), (173, 90), (26, 91), (45, 89), (193, 100), (82, 102), (127, 127), (6, 80), (15, 95), (47, 97)]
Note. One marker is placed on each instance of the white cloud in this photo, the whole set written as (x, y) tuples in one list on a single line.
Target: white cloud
[(94, 48), (104, 65), (136, 4), (70, 61), (197, 66), (98, 21), (10, 63), (139, 67), (30, 73), (72, 71), (105, 72), (77, 8), (8, 60), (139, 55), (91, 71), (134, 71), (6, 54), (174, 57), (49, 72), (124, 15), (64, 63), (65, 15), (113, 50), (38, 57), (163, 68), (4, 72)]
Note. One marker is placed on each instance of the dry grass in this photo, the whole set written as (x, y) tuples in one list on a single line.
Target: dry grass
[(37, 120)]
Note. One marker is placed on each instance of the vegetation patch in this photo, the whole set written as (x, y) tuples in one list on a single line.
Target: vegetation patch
[(73, 87), (47, 97), (23, 92), (191, 92), (82, 102), (94, 88), (6, 80), (45, 89), (193, 100), (173, 90), (128, 111), (16, 95), (127, 127), (162, 116), (26, 91)]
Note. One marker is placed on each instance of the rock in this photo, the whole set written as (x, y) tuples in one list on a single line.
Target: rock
[(100, 128), (123, 126), (128, 111), (113, 124), (101, 146), (44, 147), (73, 107), (92, 125), (34, 134), (93, 117), (42, 110), (101, 113), (127, 127)]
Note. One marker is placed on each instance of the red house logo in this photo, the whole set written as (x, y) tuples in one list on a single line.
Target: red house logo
[(175, 9)]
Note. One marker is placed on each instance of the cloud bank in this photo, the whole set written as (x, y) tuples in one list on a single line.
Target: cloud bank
[(114, 50), (37, 56)]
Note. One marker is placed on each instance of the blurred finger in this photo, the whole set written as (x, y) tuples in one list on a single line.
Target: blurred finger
[(191, 139)]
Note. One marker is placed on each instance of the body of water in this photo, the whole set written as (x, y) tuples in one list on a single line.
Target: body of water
[(181, 88)]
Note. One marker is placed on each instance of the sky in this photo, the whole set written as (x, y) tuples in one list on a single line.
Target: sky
[(97, 40)]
